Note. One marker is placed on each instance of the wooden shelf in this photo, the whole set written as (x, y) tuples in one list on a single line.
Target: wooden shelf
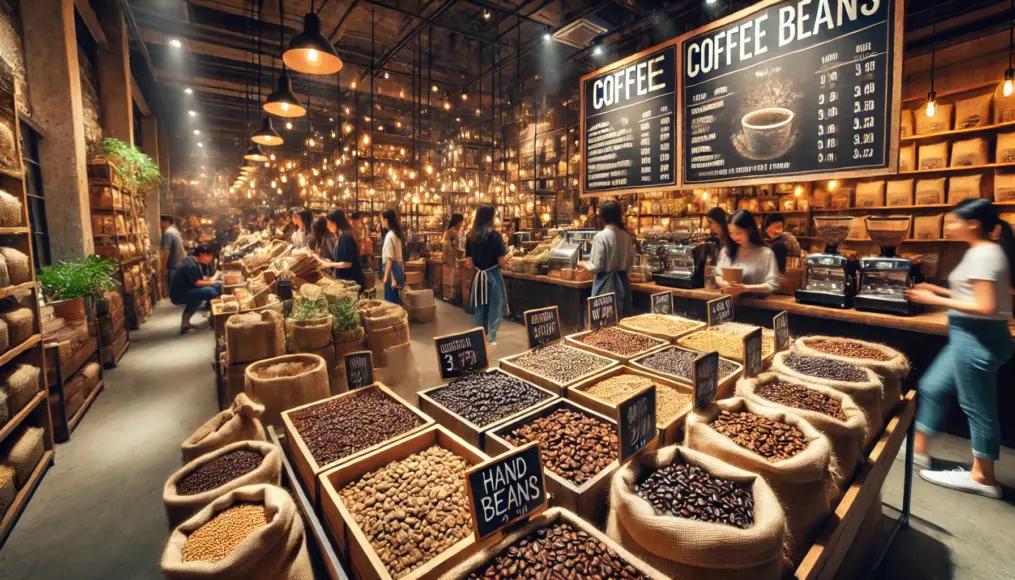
[(960, 169), (21, 500), (12, 290), (887, 207), (906, 241), (84, 406), (960, 91), (12, 173), (959, 132), (13, 231), (20, 349), (20, 416)]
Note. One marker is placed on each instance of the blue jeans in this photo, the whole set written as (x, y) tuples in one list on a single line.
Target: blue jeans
[(197, 296), (967, 367), (490, 314), (398, 275)]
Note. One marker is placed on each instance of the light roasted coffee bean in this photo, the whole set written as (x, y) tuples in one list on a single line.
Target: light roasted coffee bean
[(215, 540), (669, 401), (658, 323), (560, 363), (848, 349)]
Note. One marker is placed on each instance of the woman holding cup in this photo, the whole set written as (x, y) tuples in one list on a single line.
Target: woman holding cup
[(746, 264)]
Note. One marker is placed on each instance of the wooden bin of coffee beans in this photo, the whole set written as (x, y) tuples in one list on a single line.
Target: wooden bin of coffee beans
[(336, 430), (579, 449), (665, 326), (471, 405), (616, 343), (728, 340), (556, 366), (604, 391), (392, 522), (677, 364)]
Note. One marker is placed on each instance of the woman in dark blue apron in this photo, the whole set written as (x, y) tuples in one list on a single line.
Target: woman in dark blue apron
[(612, 255), (486, 248)]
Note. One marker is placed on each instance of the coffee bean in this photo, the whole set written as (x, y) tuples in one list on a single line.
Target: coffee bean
[(679, 362), (560, 363), (574, 445), (340, 427), (848, 349), (219, 471), (216, 539), (657, 323), (690, 492), (728, 340), (558, 552), (800, 397), (669, 401), (773, 440), (485, 398), (613, 339), (825, 368)]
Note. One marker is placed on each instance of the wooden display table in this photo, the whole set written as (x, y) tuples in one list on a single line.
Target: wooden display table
[(531, 291)]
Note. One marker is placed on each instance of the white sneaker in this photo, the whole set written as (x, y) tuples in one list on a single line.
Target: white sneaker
[(921, 460), (961, 480)]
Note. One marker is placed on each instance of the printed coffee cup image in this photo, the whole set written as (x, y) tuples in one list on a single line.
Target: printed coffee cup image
[(767, 131)]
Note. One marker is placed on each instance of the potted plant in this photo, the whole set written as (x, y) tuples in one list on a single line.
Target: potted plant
[(66, 285), (132, 168)]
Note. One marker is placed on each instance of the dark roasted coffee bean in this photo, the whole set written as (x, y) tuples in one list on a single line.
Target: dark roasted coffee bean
[(825, 368), (690, 492), (574, 445), (613, 339), (848, 349), (800, 397), (773, 440), (680, 363), (485, 398), (219, 471)]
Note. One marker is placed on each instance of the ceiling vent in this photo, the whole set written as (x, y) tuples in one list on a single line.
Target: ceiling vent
[(579, 34)]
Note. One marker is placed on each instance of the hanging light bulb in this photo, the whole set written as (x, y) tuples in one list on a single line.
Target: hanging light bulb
[(284, 179), (366, 139), (1009, 81), (255, 154), (272, 157), (283, 102), (267, 135), (310, 52), (931, 104)]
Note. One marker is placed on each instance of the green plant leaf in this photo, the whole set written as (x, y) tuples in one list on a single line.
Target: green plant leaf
[(90, 276)]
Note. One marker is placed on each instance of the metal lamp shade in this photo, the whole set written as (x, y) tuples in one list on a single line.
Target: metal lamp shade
[(283, 101), (255, 154), (310, 52), (267, 135)]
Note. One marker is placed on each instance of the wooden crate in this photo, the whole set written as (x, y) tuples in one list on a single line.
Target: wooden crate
[(467, 430), (304, 461), (508, 364), (726, 384), (670, 432), (765, 360), (353, 545), (575, 341), (671, 338)]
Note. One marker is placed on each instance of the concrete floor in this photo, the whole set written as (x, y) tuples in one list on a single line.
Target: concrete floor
[(98, 512)]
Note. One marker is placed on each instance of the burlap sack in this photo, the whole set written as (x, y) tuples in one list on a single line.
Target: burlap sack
[(253, 336), (10, 210), (927, 227), (348, 342), (20, 382), (419, 298), (308, 335), (970, 152), (401, 373), (973, 112), (906, 123), (91, 374), (5, 411), (241, 422), (8, 491), (964, 187), (373, 308), (287, 381), (930, 191), (934, 156), (5, 277), (846, 436), (1004, 187), (20, 324), (275, 551), (389, 317), (24, 454), (378, 341), (803, 483), (1005, 152), (891, 371), (899, 192), (695, 550), (907, 158), (181, 507)]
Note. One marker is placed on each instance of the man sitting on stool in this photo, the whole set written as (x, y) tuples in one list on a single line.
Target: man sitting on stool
[(190, 289)]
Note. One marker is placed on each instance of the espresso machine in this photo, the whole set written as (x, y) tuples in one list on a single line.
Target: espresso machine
[(684, 262), (831, 278), (884, 279)]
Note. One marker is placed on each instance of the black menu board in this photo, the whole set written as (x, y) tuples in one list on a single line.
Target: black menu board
[(628, 124), (505, 489), (780, 324), (752, 353), (542, 326), (602, 311), (662, 303), (458, 354), (792, 89), (359, 369), (720, 310), (636, 421), (705, 379)]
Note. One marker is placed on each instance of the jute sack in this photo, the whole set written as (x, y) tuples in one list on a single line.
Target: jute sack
[(241, 422), (5, 410), (181, 507), (348, 342), (287, 381), (20, 383), (24, 454), (867, 394), (8, 491), (20, 324), (378, 341), (308, 335), (695, 550), (803, 483), (19, 265), (846, 436), (254, 336), (274, 551), (10, 210), (373, 308), (892, 370), (390, 317), (5, 277)]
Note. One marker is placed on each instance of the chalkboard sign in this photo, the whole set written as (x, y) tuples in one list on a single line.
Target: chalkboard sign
[(720, 310), (602, 311), (359, 369), (628, 124), (781, 326), (752, 353), (458, 354), (542, 325), (662, 303), (636, 421), (792, 88), (506, 489), (705, 379)]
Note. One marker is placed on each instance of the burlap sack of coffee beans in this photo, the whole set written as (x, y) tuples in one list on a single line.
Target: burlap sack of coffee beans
[(934, 156), (899, 192), (254, 336), (10, 210), (19, 266), (973, 112), (941, 121), (906, 123), (240, 422), (308, 335), (8, 491), (20, 382), (1004, 187), (23, 452), (274, 551), (907, 157), (199, 482), (686, 547), (969, 152), (804, 482), (964, 187), (5, 277), (829, 411), (20, 323), (286, 382), (870, 194)]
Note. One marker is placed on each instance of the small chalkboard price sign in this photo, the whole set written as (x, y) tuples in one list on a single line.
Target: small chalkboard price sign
[(705, 379), (602, 311), (359, 369), (720, 310), (506, 489), (781, 326), (662, 303), (459, 354), (542, 325), (636, 421), (752, 353)]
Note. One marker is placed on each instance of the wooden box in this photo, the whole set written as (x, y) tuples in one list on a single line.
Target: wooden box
[(672, 338), (462, 427), (726, 384), (353, 545), (670, 432), (575, 341), (307, 467), (765, 360), (507, 363)]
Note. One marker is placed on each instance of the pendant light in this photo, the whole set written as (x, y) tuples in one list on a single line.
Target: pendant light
[(932, 96), (309, 51), (283, 102), (1009, 75), (255, 154), (266, 135)]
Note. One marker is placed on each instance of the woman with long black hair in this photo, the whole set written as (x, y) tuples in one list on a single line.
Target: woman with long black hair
[(979, 304), (486, 248), (391, 256), (450, 244), (746, 250), (303, 218), (345, 256), (612, 256)]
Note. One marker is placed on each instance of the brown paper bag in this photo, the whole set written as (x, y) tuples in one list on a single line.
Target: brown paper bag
[(899, 192)]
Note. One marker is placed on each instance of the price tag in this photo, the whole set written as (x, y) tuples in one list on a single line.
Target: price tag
[(506, 489), (720, 310), (359, 369), (602, 311), (705, 379), (662, 303), (459, 354), (752, 353), (781, 326), (636, 421), (542, 325)]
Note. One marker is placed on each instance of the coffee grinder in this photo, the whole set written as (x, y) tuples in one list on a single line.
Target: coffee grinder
[(831, 278), (885, 279)]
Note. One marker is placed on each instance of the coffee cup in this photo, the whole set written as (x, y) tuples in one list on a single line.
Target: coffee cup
[(733, 275), (767, 130)]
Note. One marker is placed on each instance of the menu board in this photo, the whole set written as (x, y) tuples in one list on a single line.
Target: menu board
[(459, 354), (505, 489), (359, 369), (662, 303), (752, 353), (792, 88), (628, 113), (542, 326), (636, 421), (780, 324), (720, 310), (705, 379), (602, 311)]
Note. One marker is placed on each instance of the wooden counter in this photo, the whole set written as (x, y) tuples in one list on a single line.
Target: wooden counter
[(530, 291), (547, 279)]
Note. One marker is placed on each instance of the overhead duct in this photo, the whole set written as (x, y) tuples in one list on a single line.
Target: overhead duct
[(579, 34)]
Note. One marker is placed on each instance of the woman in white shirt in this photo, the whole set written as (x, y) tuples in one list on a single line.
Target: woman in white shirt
[(391, 257), (612, 255), (979, 304), (746, 250), (303, 218)]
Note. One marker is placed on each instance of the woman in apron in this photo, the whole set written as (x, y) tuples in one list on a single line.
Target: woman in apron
[(391, 255), (450, 245), (486, 248), (612, 255)]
